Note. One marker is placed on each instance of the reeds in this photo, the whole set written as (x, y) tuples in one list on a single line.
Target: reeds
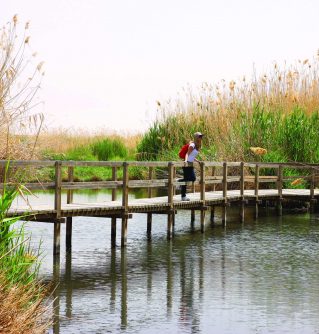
[(277, 111), (19, 85)]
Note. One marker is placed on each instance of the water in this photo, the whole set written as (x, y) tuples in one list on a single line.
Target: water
[(257, 277)]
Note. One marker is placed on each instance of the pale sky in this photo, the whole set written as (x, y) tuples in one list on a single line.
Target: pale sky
[(108, 62)]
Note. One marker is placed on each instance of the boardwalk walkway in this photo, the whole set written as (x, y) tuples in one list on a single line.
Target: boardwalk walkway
[(218, 184)]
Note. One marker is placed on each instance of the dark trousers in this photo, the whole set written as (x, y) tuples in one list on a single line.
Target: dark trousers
[(189, 175)]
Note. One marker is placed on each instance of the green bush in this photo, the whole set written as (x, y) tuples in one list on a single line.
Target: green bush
[(108, 149)]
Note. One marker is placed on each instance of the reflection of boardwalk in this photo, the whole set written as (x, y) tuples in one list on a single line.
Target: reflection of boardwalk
[(249, 182), (166, 283)]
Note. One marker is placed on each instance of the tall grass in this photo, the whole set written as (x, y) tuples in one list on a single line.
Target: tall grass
[(23, 309), (277, 110), (108, 149)]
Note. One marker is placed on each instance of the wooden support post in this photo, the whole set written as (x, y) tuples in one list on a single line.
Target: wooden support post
[(279, 187), (242, 191), (149, 215), (224, 209), (192, 216), (68, 235), (56, 237), (212, 215), (256, 189), (124, 204), (113, 219), (193, 211), (113, 232), (69, 200), (170, 201), (202, 195)]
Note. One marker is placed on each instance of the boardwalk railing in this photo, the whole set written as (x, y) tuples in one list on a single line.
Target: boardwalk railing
[(222, 178)]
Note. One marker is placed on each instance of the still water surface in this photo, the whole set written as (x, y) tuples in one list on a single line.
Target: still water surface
[(257, 277)]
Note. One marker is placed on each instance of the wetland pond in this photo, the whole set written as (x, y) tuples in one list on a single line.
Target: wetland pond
[(258, 277)]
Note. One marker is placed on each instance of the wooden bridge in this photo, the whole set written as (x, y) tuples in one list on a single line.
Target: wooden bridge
[(218, 184)]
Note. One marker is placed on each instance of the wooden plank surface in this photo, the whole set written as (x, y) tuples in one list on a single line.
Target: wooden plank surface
[(157, 203)]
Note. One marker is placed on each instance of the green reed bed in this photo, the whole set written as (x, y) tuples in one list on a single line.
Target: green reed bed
[(277, 111)]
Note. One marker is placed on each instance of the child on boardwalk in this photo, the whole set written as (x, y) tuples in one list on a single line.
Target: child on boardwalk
[(190, 156)]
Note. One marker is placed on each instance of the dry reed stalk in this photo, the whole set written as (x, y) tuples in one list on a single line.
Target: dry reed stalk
[(62, 140), (23, 310), (19, 84)]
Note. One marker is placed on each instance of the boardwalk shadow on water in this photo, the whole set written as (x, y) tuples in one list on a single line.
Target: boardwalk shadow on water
[(256, 277)]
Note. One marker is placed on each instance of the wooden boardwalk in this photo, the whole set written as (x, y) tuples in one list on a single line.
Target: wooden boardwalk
[(154, 204), (218, 184)]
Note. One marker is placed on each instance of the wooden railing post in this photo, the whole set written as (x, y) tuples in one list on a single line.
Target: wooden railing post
[(256, 189), (58, 188), (202, 195), (124, 204), (224, 213), (57, 208), (213, 174), (149, 215), (69, 200), (113, 219), (193, 211), (312, 190), (242, 191), (279, 187), (170, 200)]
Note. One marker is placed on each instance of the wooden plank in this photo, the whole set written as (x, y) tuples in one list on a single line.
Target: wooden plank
[(26, 163)]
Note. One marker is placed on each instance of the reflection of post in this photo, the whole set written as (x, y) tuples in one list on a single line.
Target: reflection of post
[(223, 260), (149, 271), (182, 307), (68, 281), (124, 289), (201, 272), (56, 296), (169, 286), (113, 279)]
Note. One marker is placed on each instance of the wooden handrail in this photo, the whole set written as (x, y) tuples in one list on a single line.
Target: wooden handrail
[(151, 182)]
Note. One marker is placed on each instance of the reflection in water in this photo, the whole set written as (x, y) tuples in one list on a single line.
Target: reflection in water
[(250, 278), (123, 289)]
